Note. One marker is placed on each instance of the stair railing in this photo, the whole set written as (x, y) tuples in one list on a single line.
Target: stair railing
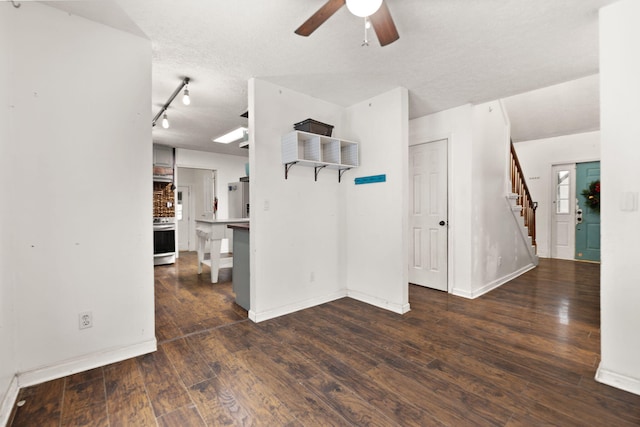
[(519, 187)]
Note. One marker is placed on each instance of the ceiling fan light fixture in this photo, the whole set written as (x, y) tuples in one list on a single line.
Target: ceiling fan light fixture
[(363, 8)]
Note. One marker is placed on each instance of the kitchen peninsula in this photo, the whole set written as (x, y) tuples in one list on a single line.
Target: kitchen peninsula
[(241, 256), (212, 231)]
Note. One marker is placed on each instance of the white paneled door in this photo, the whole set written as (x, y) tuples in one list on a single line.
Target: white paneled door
[(428, 214)]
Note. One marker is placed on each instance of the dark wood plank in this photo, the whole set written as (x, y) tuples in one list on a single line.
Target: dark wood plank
[(166, 328), (82, 377), (43, 404), (127, 401), (85, 404), (217, 405), (183, 417), (283, 380), (164, 386), (347, 403), (188, 363), (253, 394)]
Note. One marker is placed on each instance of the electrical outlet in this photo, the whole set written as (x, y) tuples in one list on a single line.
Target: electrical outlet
[(85, 320)]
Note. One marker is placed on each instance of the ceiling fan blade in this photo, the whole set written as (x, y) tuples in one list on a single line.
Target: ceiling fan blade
[(318, 18), (382, 23)]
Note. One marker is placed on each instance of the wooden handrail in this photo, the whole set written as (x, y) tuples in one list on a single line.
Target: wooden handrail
[(519, 187)]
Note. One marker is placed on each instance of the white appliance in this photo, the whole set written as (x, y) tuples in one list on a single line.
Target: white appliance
[(164, 240), (238, 199)]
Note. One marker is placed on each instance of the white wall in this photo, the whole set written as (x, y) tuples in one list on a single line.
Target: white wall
[(80, 192), (8, 362), (376, 214), (620, 175), (313, 242), (499, 252), (456, 126), (296, 243), (537, 157)]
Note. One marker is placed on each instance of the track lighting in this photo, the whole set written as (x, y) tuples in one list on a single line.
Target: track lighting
[(185, 100)]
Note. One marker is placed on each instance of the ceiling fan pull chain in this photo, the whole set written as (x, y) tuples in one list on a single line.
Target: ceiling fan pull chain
[(367, 24)]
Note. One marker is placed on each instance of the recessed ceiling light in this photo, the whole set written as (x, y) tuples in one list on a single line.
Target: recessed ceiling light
[(234, 135)]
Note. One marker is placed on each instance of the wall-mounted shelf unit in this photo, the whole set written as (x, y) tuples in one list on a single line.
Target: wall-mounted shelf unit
[(317, 151)]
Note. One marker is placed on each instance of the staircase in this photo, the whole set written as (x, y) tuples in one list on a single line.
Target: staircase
[(522, 204)]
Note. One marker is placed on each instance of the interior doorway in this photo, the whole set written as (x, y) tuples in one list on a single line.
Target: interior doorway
[(428, 214), (200, 202), (575, 220)]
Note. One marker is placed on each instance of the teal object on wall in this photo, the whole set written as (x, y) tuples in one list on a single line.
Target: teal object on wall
[(371, 179)]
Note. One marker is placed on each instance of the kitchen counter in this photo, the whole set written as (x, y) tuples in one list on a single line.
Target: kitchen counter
[(212, 231), (224, 221), (241, 257), (243, 226)]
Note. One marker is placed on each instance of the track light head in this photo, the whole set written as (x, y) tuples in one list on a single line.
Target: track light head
[(186, 100), (165, 121)]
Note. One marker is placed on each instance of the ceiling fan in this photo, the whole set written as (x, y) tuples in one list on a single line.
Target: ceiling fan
[(376, 11)]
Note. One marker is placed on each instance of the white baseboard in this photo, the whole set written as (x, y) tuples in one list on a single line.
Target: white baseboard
[(461, 293), (492, 285), (375, 301), (614, 379), (8, 401), (291, 308), (84, 363)]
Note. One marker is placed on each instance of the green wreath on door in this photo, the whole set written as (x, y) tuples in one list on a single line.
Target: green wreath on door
[(592, 195)]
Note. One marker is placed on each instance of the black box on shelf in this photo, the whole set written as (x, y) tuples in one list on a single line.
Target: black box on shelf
[(314, 126)]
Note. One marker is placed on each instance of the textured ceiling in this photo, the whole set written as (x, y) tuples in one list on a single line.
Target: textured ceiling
[(562, 109), (450, 52)]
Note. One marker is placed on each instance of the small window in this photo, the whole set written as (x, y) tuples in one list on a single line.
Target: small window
[(562, 192)]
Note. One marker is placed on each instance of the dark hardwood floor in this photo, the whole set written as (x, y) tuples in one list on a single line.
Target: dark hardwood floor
[(522, 355)]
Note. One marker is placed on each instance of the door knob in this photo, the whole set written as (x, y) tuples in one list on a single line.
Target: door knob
[(442, 223)]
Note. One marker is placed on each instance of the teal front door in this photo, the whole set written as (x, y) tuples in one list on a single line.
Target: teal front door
[(588, 223)]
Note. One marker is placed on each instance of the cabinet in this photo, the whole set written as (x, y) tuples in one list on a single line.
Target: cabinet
[(162, 156), (162, 163), (318, 151)]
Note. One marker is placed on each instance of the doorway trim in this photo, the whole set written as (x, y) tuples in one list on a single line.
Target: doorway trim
[(190, 214), (550, 188)]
